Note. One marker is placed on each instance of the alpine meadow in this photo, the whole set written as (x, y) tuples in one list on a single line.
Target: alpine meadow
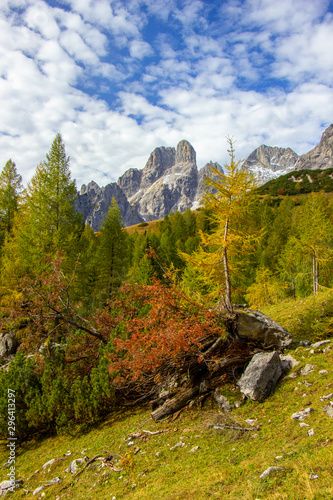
[(129, 349)]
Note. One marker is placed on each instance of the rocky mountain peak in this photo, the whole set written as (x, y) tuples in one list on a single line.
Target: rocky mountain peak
[(267, 162), (320, 157), (185, 153)]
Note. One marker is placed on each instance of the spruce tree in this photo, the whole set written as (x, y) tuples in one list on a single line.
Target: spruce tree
[(47, 222), (10, 190), (112, 256)]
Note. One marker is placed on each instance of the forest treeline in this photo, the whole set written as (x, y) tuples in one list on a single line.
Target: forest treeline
[(98, 315)]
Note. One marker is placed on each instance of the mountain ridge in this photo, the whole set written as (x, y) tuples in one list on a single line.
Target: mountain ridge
[(171, 180)]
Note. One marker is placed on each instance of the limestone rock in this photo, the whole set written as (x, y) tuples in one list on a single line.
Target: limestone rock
[(74, 465), (268, 163), (130, 181), (329, 411), (203, 173), (221, 400), (301, 415), (268, 471), (320, 157), (8, 344), (257, 326), (307, 369), (9, 486), (261, 375), (94, 203), (288, 362)]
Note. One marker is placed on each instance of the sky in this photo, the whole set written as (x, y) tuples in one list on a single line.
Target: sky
[(119, 78)]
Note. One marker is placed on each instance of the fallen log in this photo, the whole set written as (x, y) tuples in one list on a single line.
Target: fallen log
[(176, 403)]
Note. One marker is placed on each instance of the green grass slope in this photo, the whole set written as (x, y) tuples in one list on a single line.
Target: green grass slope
[(203, 453), (298, 182)]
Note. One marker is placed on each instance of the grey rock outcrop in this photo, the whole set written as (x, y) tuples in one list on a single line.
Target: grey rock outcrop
[(8, 344), (268, 162), (168, 183), (320, 157), (94, 203), (261, 375), (257, 326), (203, 174)]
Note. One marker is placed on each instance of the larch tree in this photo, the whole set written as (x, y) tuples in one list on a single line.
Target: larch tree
[(229, 202), (10, 190), (313, 236)]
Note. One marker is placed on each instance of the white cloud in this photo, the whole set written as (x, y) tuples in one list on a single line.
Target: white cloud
[(207, 80), (140, 49)]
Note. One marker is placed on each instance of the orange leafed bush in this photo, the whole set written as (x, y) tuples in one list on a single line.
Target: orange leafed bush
[(162, 327)]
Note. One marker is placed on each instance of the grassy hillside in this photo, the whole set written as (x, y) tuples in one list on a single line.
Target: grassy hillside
[(298, 182), (187, 458)]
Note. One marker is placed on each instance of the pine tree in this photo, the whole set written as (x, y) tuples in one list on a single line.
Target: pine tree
[(10, 190), (112, 256)]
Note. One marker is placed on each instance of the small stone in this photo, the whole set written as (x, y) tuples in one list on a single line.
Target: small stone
[(279, 457), (195, 448), (329, 411), (37, 490), (130, 443), (329, 396), (313, 476), (322, 372), (237, 404), (251, 421), (305, 343), (307, 369), (288, 362), (133, 486), (303, 424), (73, 468), (307, 384), (221, 400), (301, 415), (319, 344), (268, 471), (179, 444), (310, 432), (47, 464)]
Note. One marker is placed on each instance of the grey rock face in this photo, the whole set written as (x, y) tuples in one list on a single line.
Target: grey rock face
[(261, 375), (320, 157), (169, 182), (8, 344), (203, 174), (159, 161), (94, 202), (130, 181), (257, 326), (268, 162)]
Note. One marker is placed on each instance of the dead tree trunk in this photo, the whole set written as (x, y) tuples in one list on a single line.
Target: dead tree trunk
[(175, 404)]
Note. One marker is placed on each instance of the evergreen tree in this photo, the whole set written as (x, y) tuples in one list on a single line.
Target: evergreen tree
[(10, 190), (46, 223), (112, 256)]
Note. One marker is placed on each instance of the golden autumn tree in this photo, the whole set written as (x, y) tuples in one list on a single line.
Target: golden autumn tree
[(230, 201)]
